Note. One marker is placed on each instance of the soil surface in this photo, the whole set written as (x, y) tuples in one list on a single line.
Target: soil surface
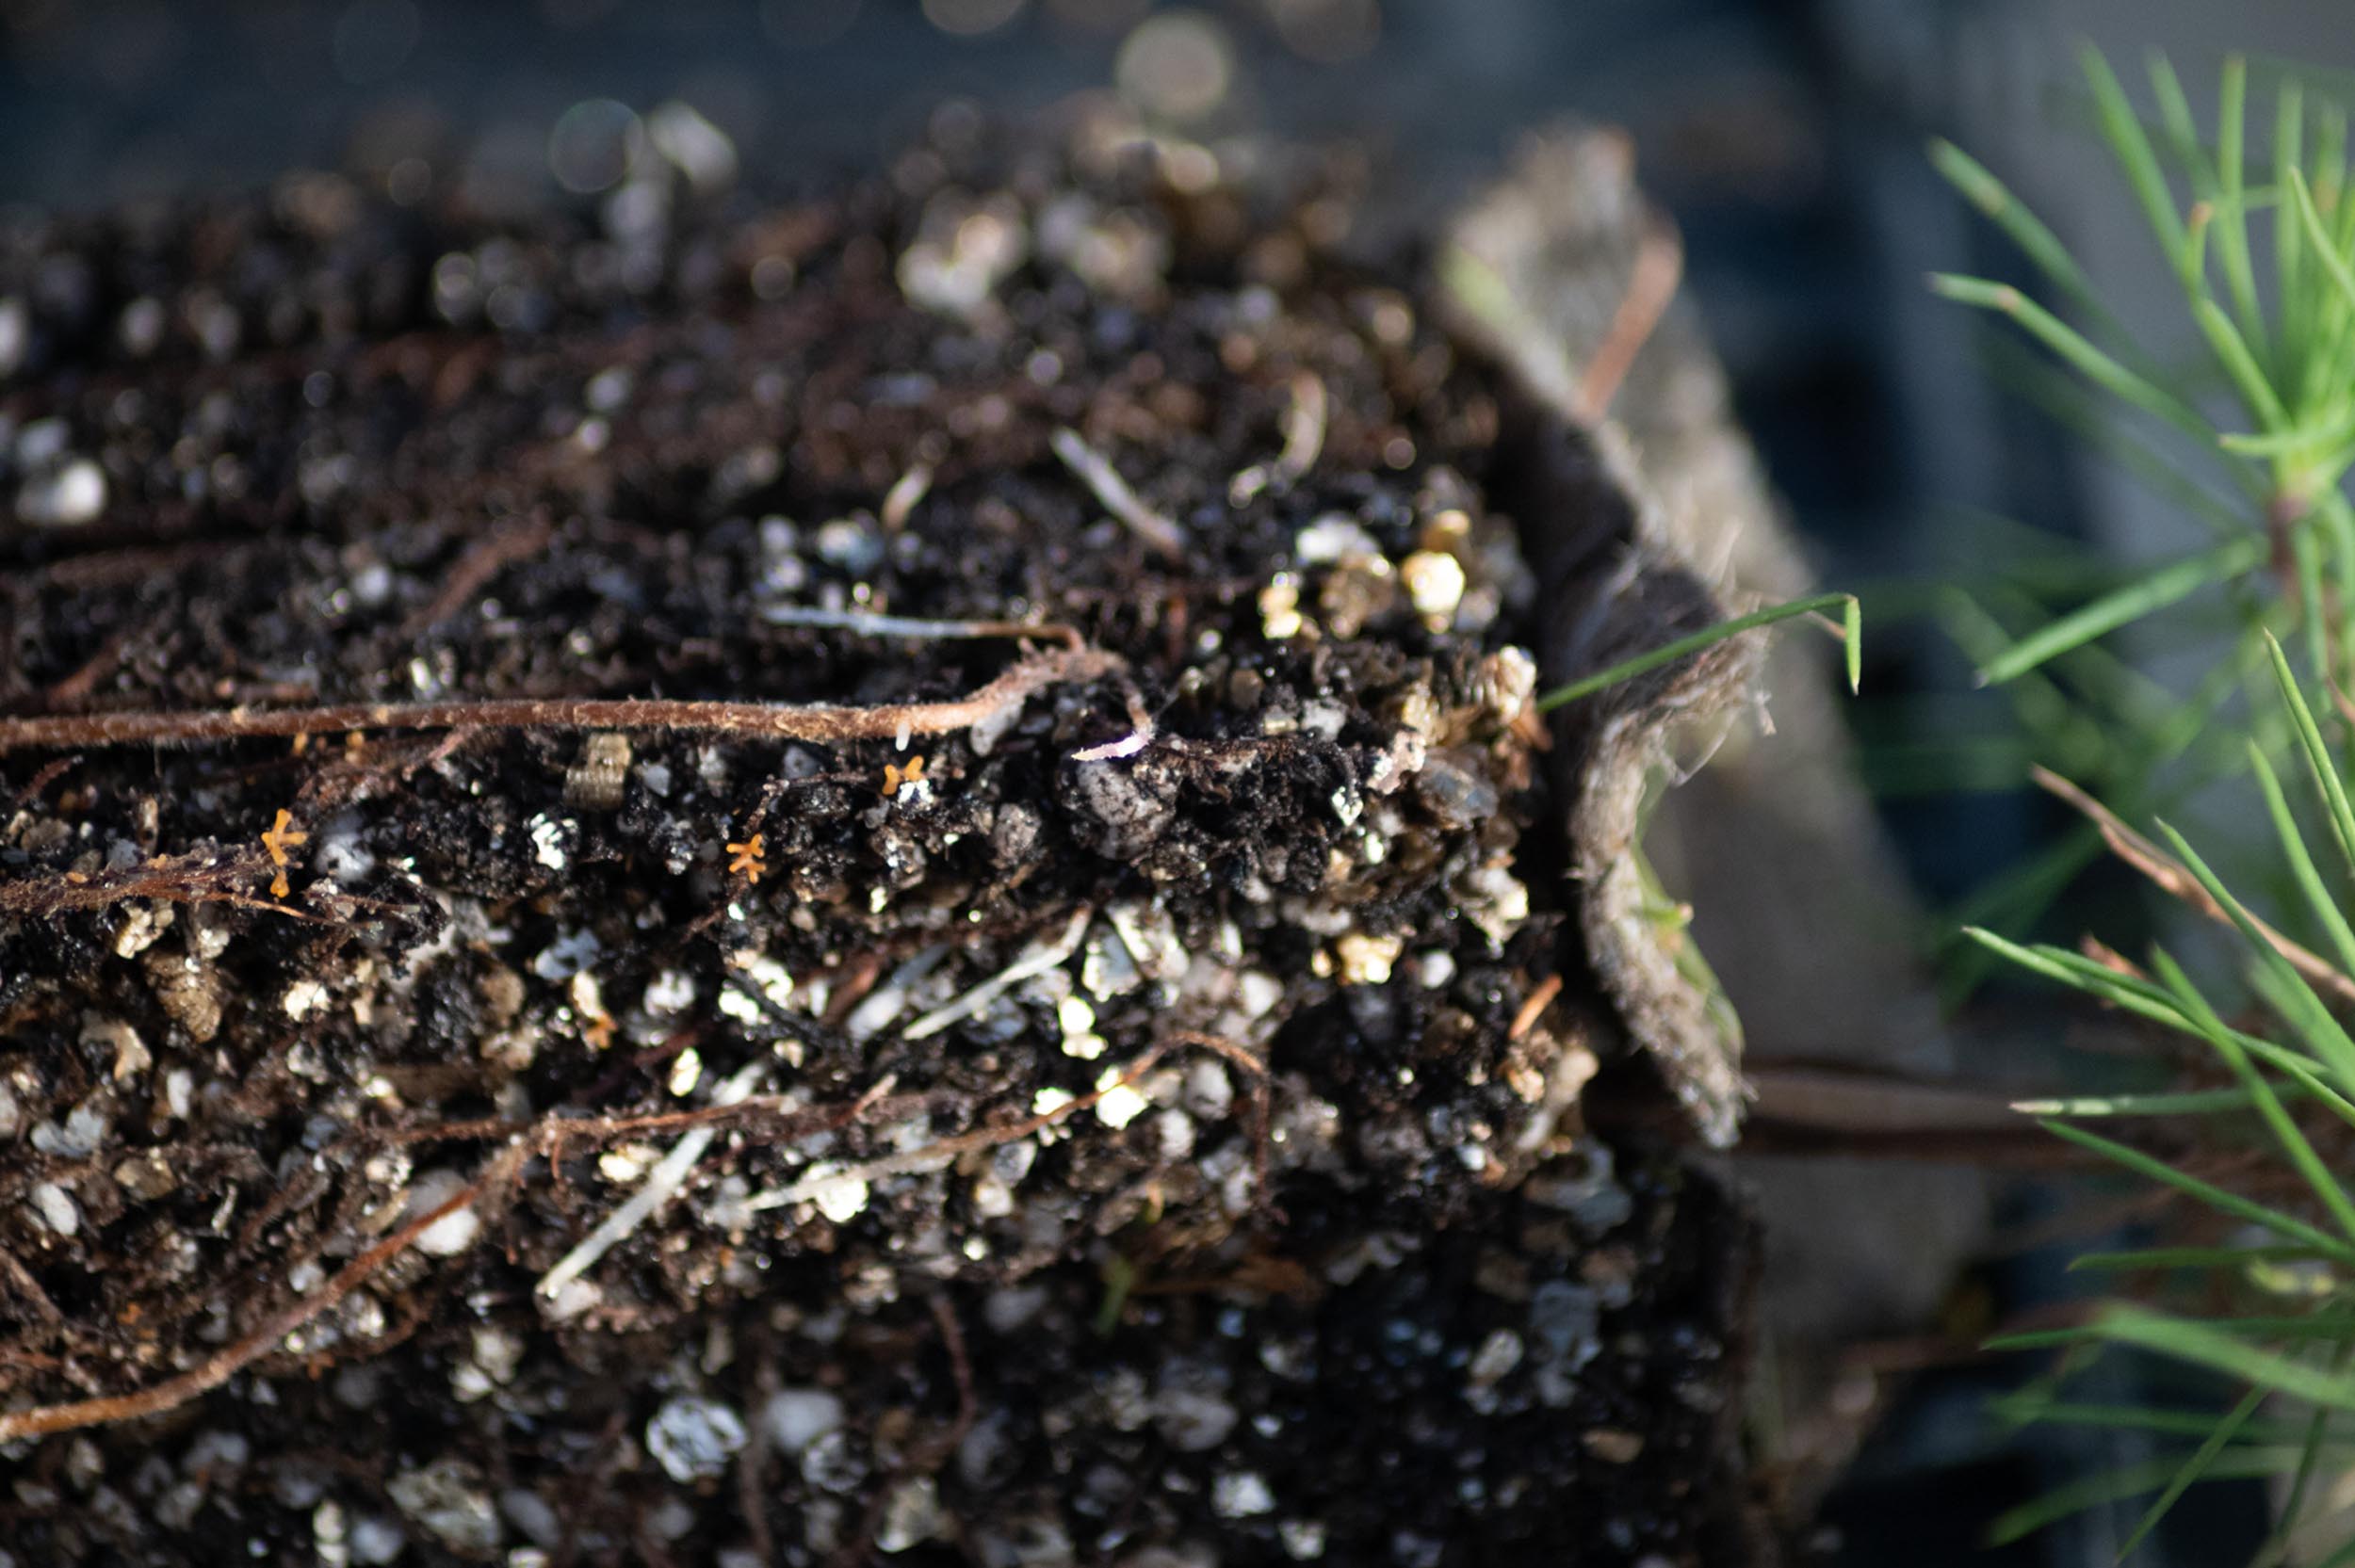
[(1100, 1089)]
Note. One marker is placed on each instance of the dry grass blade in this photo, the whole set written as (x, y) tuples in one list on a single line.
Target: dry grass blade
[(2173, 880)]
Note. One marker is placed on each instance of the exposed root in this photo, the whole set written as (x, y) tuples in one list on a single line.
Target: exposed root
[(1304, 442), (814, 722), (947, 1151), (1096, 471), (199, 877), (1036, 958), (907, 492), (960, 1369), (517, 540), (668, 1175), (234, 1358), (868, 623)]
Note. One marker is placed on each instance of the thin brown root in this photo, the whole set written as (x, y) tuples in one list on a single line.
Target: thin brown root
[(219, 1369), (815, 721), (960, 1367), (515, 541), (200, 877), (2179, 883)]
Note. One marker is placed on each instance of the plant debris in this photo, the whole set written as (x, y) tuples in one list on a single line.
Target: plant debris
[(512, 1052)]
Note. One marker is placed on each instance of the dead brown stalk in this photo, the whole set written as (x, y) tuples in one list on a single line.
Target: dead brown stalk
[(2179, 883)]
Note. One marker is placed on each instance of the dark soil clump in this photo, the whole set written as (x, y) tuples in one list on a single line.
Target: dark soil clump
[(1084, 1075)]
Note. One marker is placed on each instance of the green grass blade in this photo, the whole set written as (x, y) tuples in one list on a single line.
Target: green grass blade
[(2295, 1145), (2024, 1409), (2325, 909), (1983, 190), (2123, 131), (2289, 118), (2240, 366), (2285, 1225), (2240, 278), (2083, 974), (2204, 1102), (2301, 1072), (2193, 1468), (2127, 1480), (2326, 248), (2291, 442), (2319, 763), (2205, 1344), (2322, 1033), (2071, 346), (2308, 1460), (1852, 632), (2081, 412), (2182, 134), (2191, 1257), (2312, 1327), (2170, 584)]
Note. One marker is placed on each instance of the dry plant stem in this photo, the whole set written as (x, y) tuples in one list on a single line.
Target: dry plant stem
[(1650, 286), (232, 1359), (2179, 883), (815, 721)]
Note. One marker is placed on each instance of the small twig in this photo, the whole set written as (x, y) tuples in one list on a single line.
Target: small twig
[(816, 721), (1651, 283), (1103, 480), (2179, 883), (75, 688), (232, 1359)]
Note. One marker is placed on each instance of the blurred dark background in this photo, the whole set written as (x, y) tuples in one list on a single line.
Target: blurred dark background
[(1785, 137)]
